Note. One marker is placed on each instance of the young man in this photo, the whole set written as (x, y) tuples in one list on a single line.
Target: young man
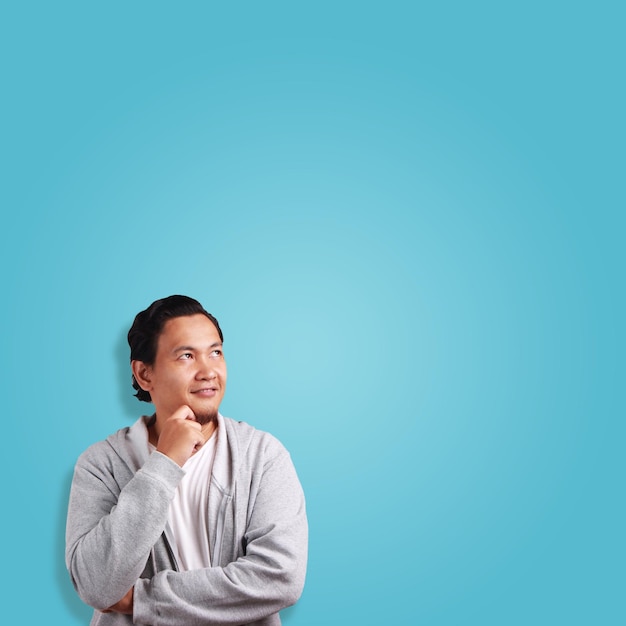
[(186, 517)]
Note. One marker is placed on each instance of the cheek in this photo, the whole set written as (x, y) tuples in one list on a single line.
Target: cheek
[(174, 381)]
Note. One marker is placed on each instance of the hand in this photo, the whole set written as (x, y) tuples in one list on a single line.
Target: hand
[(125, 605), (180, 436)]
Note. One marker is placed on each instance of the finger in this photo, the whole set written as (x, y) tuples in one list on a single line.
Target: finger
[(182, 413)]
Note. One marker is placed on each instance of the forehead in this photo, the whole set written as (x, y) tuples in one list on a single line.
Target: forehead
[(190, 330)]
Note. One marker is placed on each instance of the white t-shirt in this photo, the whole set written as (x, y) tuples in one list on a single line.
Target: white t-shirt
[(188, 516)]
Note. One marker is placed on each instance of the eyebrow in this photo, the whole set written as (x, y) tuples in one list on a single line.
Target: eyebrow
[(217, 344)]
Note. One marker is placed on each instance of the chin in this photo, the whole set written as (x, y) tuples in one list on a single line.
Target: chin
[(204, 417)]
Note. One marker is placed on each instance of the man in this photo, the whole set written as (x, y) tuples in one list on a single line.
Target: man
[(186, 517)]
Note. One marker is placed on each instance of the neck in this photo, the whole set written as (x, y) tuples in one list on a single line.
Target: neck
[(209, 428)]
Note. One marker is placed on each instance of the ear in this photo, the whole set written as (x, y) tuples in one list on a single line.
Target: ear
[(143, 374)]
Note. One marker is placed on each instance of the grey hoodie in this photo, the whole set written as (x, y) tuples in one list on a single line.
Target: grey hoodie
[(117, 535)]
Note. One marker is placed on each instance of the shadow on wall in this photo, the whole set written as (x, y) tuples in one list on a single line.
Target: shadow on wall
[(130, 405)]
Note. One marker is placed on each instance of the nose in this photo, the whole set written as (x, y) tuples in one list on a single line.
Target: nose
[(206, 371)]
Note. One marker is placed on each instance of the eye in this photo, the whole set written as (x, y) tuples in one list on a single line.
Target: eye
[(185, 356), (217, 352)]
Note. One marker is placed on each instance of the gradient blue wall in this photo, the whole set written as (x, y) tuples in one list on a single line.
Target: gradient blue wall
[(410, 223)]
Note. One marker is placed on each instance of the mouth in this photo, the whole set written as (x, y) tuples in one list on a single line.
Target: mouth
[(205, 392)]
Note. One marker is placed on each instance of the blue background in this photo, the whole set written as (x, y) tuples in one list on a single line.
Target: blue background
[(409, 220)]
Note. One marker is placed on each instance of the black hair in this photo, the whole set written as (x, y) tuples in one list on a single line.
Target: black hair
[(143, 335)]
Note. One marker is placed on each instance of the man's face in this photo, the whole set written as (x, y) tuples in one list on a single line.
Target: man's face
[(189, 369)]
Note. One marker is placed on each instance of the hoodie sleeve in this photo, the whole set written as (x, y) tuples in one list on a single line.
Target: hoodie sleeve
[(267, 578), (111, 529)]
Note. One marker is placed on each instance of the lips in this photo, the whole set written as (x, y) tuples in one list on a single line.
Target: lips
[(205, 392)]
